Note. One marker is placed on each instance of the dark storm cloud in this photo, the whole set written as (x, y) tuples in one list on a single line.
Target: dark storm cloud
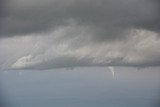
[(2, 7), (2, 11), (38, 34), (108, 19)]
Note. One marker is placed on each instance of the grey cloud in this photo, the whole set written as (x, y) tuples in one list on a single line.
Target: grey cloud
[(141, 49), (2, 11), (108, 19), (69, 33)]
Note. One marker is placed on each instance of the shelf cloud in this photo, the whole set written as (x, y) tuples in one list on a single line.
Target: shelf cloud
[(38, 34)]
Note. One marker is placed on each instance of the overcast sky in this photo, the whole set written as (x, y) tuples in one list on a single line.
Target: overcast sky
[(45, 34)]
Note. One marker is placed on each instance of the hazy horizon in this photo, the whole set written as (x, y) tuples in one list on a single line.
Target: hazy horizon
[(87, 87)]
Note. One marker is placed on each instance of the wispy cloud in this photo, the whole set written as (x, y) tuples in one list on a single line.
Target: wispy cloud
[(141, 48)]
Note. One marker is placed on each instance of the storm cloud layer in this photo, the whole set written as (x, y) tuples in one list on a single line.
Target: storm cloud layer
[(40, 34), (107, 17)]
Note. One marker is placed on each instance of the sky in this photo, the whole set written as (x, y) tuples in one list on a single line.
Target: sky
[(38, 34), (80, 52)]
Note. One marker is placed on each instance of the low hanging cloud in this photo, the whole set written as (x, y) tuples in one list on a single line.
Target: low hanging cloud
[(45, 52), (38, 34)]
